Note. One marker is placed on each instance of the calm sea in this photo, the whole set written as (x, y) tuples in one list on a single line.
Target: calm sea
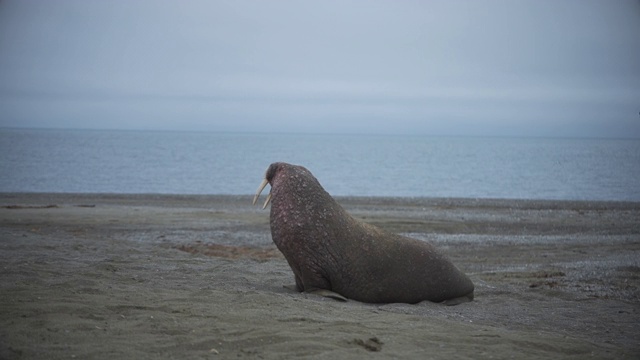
[(414, 166)]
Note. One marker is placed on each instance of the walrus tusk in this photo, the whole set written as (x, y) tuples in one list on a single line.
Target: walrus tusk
[(266, 202), (263, 184)]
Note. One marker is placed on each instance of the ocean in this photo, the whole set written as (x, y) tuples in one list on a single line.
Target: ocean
[(88, 161)]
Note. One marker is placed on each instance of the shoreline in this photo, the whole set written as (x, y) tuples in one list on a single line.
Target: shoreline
[(165, 276), (195, 199)]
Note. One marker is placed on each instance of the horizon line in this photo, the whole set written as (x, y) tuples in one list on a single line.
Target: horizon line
[(364, 134)]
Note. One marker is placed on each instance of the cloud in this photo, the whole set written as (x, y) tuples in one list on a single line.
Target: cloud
[(348, 66)]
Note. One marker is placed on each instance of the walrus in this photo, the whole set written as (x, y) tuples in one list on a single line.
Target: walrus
[(333, 254)]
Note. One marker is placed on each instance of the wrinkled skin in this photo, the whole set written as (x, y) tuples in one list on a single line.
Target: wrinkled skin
[(328, 250)]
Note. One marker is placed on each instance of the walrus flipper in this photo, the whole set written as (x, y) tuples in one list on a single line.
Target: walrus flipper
[(458, 300), (326, 293), (319, 292)]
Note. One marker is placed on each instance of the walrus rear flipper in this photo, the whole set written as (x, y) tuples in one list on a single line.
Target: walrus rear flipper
[(458, 300), (319, 292), (326, 293)]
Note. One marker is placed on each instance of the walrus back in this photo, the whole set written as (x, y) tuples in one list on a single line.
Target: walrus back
[(393, 268)]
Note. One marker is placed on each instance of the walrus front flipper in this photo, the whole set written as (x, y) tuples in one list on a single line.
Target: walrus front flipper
[(458, 300), (319, 292), (327, 293)]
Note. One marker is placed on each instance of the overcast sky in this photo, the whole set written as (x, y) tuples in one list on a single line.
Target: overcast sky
[(563, 68)]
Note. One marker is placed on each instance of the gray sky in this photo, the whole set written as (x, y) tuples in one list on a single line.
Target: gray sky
[(563, 68)]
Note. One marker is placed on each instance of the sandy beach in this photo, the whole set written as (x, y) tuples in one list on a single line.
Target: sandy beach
[(92, 276)]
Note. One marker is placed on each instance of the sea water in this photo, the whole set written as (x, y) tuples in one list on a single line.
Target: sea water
[(351, 165)]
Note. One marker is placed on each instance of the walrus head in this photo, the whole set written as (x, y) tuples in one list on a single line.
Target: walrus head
[(297, 179)]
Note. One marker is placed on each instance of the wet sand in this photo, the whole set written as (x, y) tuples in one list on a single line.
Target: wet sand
[(145, 276)]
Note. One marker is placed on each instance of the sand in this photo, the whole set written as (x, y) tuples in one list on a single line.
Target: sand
[(190, 277)]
